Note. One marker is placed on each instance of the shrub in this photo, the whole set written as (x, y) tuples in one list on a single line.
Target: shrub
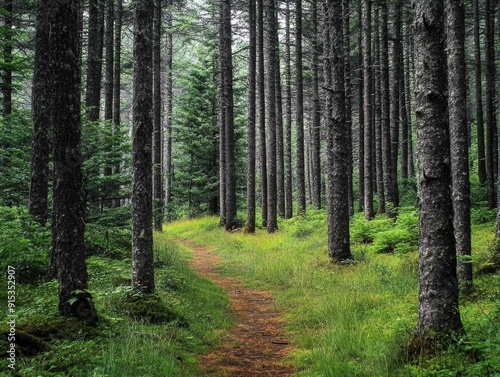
[(363, 231), (394, 240), (24, 245)]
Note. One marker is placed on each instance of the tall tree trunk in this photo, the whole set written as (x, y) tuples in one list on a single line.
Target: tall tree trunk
[(403, 116), (252, 62), (262, 112), (109, 73), (108, 84), (117, 82), (361, 114), (378, 111), (481, 158), (157, 126), (439, 316), (272, 222), (280, 158), (168, 115), (7, 58), (392, 195), (41, 107), (385, 102), (222, 125), (299, 114), (316, 121), (408, 91), (348, 99), (142, 200), (68, 225), (490, 98), (227, 75), (459, 138), (337, 134), (367, 108), (288, 112), (94, 58)]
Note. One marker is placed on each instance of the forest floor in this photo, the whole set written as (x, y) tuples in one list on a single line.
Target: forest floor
[(259, 344)]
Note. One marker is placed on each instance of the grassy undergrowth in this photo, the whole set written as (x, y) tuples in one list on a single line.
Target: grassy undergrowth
[(158, 335), (356, 320)]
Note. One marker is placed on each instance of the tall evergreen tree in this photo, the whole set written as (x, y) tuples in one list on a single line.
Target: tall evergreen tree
[(252, 63), (316, 116), (68, 226), (157, 126), (142, 211), (458, 138), (299, 114), (38, 196), (7, 57), (288, 117), (490, 107), (337, 133), (439, 316)]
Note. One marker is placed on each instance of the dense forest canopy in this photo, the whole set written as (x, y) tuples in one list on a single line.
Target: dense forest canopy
[(118, 117)]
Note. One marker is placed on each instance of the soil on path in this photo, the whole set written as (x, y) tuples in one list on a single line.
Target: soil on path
[(258, 345)]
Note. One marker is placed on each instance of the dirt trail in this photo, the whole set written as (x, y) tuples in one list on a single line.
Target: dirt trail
[(258, 345)]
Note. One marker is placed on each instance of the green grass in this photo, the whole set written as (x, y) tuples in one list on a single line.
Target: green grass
[(355, 320), (193, 313)]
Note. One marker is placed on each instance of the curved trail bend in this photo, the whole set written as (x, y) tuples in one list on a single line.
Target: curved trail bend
[(258, 345)]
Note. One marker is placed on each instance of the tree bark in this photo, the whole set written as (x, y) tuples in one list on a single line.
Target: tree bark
[(385, 102), (408, 91), (142, 212), (288, 116), (109, 79), (367, 108), (227, 76), (316, 121), (262, 112), (272, 221), (337, 134), (68, 224), (117, 82), (94, 58), (40, 150), (490, 98), (361, 114), (7, 58), (459, 138), (280, 158), (157, 126), (439, 316), (392, 195), (378, 117), (299, 114), (481, 158), (252, 62), (168, 116)]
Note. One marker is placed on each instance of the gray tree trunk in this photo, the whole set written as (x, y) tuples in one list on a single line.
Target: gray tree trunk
[(490, 109), (40, 151), (337, 134), (117, 82), (7, 57), (94, 59), (157, 126), (262, 112), (439, 316), (299, 114), (316, 116), (367, 108), (252, 63), (481, 158), (459, 138), (288, 116), (68, 225), (168, 116), (142, 200), (271, 49)]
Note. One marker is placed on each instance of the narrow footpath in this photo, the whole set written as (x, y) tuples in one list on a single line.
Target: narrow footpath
[(258, 345)]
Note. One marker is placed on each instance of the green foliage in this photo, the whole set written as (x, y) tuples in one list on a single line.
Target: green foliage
[(137, 335), (195, 182), (15, 156), (394, 240), (24, 245), (363, 231), (104, 149)]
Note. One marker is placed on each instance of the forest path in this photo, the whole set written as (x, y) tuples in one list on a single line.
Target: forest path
[(258, 345)]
